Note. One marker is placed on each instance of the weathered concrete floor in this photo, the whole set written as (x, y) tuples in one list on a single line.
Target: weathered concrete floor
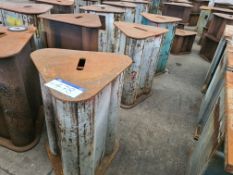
[(156, 136)]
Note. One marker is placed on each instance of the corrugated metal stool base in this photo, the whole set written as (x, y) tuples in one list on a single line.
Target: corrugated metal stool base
[(57, 165), (140, 99), (39, 125)]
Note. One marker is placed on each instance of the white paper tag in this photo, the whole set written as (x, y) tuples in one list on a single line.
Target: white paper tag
[(65, 87)]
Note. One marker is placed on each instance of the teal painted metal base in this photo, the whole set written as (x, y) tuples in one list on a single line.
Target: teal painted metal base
[(166, 44), (154, 7)]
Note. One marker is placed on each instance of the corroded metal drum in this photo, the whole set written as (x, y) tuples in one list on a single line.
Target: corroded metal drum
[(142, 43), (17, 14), (20, 103), (72, 31), (166, 22), (82, 129)]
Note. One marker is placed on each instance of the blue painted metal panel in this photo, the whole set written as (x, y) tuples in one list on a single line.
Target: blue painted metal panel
[(166, 44)]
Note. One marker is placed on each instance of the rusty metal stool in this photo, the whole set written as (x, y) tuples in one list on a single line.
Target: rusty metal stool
[(17, 14), (72, 31), (166, 22), (154, 6), (21, 116), (142, 43), (130, 9), (141, 6), (214, 34), (183, 42), (80, 3), (107, 34), (194, 16), (82, 130), (60, 6), (179, 10)]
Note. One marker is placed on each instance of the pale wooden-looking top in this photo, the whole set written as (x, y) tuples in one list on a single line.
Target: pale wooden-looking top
[(181, 32), (100, 69), (181, 1), (225, 16), (178, 4), (216, 9), (229, 55), (160, 18), (228, 31), (120, 4), (137, 1), (79, 19), (58, 2), (139, 31), (103, 9), (25, 8), (229, 113), (11, 43)]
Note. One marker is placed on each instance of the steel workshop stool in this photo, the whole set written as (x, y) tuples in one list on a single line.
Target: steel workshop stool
[(82, 130), (142, 43), (183, 42), (166, 22), (141, 6), (130, 9), (17, 14), (107, 34), (60, 6), (179, 10), (72, 31), (21, 116), (80, 3)]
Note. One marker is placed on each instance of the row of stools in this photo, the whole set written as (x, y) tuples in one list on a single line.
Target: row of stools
[(90, 64)]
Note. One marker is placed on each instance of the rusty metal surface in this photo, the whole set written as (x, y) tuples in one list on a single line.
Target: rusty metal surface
[(183, 42), (98, 71), (80, 3), (20, 93), (142, 43), (218, 24), (14, 42), (25, 8), (129, 8), (139, 31), (107, 33), (17, 14), (179, 10), (72, 31), (60, 6)]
